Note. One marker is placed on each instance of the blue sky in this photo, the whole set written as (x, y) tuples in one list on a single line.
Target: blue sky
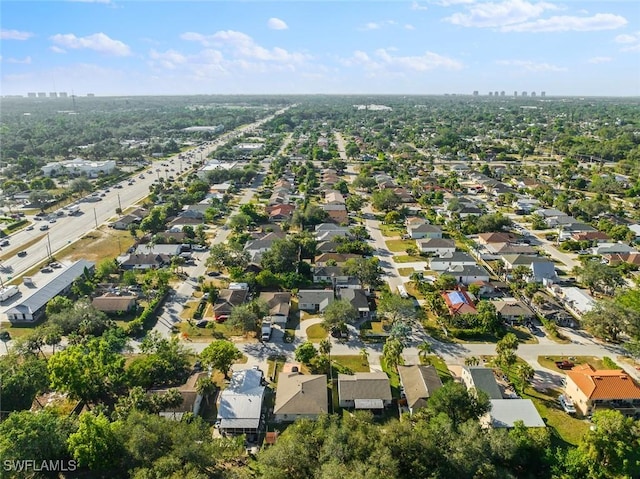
[(112, 47)]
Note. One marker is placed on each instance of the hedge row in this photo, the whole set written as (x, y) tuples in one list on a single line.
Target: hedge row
[(146, 319)]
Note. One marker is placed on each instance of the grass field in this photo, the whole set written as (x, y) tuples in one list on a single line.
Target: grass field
[(212, 331), (98, 245), (392, 230), (354, 363), (316, 333), (409, 259), (399, 245), (549, 362), (406, 271)]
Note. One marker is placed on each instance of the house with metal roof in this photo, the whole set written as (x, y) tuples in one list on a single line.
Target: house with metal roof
[(481, 379), (300, 396), (593, 389), (419, 383), (504, 413), (32, 308), (364, 390), (240, 406)]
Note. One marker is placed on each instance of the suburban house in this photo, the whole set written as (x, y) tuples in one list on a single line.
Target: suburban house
[(612, 248), (300, 396), (357, 297), (280, 212), (227, 300), (143, 261), (419, 383), (333, 275), (468, 274), (113, 303), (457, 258), (32, 308), (261, 244), (338, 258), (125, 222), (279, 305), (364, 390), (169, 250), (512, 310), (240, 404), (424, 230), (498, 237), (436, 246), (481, 379), (459, 302), (593, 389), (504, 413), (329, 231), (315, 300), (336, 214), (617, 258), (191, 399)]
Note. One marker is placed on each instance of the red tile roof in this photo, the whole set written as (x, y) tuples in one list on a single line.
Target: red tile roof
[(604, 383)]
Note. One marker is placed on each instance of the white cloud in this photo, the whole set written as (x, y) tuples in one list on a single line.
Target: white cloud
[(277, 24), (626, 38), (19, 61), (169, 60), (597, 60), (384, 60), (631, 42), (378, 25), (492, 14), (565, 23), (98, 42), (408, 26), (417, 6), (532, 67), (242, 45), (56, 49), (14, 35)]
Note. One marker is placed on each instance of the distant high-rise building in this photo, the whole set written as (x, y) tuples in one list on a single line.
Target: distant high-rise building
[(495, 93), (533, 93), (490, 93), (502, 93), (524, 93), (31, 94), (91, 95), (515, 94), (543, 94), (53, 94), (42, 94), (475, 92)]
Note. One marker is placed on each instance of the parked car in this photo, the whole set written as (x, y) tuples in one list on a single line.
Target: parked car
[(22, 253), (4, 243), (564, 364), (567, 404)]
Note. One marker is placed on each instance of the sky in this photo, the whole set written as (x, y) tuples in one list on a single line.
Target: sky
[(427, 47)]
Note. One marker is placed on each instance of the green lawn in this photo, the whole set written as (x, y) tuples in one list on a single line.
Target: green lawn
[(549, 362), (353, 363), (316, 333), (392, 230), (406, 271), (409, 259), (394, 379), (412, 291), (397, 246), (212, 331)]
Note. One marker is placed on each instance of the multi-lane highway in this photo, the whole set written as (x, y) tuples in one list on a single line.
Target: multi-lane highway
[(67, 229)]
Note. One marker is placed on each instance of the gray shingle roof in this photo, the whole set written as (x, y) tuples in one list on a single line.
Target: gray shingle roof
[(364, 386)]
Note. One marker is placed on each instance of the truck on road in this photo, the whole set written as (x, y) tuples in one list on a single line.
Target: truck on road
[(73, 210)]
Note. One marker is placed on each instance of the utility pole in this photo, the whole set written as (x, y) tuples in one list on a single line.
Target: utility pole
[(119, 204), (95, 217), (49, 243)]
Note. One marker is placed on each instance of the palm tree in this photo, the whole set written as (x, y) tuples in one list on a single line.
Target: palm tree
[(324, 347), (525, 374), (424, 350), (471, 361), (364, 355), (205, 387)]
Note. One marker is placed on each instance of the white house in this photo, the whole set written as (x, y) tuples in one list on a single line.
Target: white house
[(240, 405), (436, 246), (78, 166), (446, 261)]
